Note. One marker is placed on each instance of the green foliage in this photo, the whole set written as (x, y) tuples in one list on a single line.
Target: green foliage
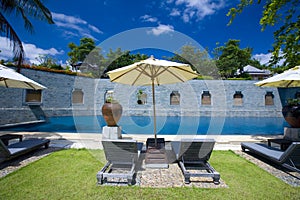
[(48, 61), (256, 63), (205, 77), (278, 70), (199, 60), (119, 58), (293, 102), (286, 14), (88, 55), (80, 52), (93, 61), (239, 79), (231, 58), (245, 76)]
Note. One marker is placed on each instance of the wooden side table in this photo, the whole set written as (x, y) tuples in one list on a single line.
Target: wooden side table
[(5, 138)]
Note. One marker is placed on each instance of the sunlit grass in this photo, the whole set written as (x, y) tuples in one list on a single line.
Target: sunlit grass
[(71, 174)]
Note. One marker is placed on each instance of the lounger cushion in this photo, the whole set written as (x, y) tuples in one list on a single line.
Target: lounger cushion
[(273, 153), (193, 156), (27, 145), (120, 154), (20, 148), (120, 151), (193, 149)]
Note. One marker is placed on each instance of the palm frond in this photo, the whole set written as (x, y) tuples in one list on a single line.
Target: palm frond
[(36, 9), (7, 31), (25, 8)]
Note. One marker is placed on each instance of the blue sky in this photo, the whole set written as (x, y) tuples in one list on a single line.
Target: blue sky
[(110, 22)]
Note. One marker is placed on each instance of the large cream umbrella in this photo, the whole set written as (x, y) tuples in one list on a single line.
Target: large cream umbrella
[(153, 72), (11, 79), (289, 78)]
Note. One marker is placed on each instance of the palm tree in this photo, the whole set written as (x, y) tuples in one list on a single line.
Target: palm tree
[(24, 8)]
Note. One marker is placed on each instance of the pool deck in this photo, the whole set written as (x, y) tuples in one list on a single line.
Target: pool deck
[(93, 141)]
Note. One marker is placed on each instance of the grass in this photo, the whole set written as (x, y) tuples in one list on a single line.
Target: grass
[(71, 174)]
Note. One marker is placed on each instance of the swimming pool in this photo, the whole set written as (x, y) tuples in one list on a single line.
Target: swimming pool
[(171, 125)]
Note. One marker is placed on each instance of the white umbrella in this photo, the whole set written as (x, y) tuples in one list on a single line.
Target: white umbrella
[(11, 79), (153, 72), (289, 78)]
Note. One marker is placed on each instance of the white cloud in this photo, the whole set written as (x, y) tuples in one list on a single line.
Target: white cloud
[(31, 51), (265, 58), (71, 24), (185, 17), (262, 58), (195, 9), (67, 19), (94, 28), (6, 50), (175, 12), (148, 18), (161, 29)]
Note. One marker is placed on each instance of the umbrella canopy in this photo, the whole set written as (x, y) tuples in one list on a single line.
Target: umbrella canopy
[(153, 72), (289, 78), (11, 79)]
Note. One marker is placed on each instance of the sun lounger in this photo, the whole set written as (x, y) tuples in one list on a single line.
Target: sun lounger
[(290, 158), (14, 150), (121, 156), (194, 155), (290, 135)]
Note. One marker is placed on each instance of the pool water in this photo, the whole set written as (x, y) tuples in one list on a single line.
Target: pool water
[(174, 125)]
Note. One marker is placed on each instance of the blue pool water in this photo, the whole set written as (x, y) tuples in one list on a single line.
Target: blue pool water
[(165, 125)]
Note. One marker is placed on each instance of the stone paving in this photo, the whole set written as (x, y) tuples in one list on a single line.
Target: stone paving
[(162, 178), (172, 177)]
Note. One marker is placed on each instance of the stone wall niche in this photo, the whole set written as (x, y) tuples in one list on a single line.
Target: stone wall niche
[(206, 98), (175, 98), (77, 96), (269, 98), (238, 98)]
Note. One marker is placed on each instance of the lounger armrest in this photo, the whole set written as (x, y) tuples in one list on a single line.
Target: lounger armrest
[(295, 146), (4, 152)]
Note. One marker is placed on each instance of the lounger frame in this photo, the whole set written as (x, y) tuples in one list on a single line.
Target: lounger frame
[(121, 155), (290, 158), (20, 148), (194, 155)]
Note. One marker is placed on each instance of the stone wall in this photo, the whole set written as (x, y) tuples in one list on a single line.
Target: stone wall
[(57, 98)]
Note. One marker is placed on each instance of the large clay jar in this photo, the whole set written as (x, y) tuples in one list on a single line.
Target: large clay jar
[(291, 114), (112, 113)]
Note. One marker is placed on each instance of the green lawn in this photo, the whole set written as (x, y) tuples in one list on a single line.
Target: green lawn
[(71, 174)]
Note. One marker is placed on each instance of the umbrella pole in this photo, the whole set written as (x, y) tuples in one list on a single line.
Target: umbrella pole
[(154, 113)]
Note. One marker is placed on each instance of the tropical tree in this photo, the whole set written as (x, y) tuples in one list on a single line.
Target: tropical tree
[(88, 56), (231, 58), (79, 52), (286, 14), (48, 61), (198, 59), (25, 9), (91, 59), (118, 58)]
